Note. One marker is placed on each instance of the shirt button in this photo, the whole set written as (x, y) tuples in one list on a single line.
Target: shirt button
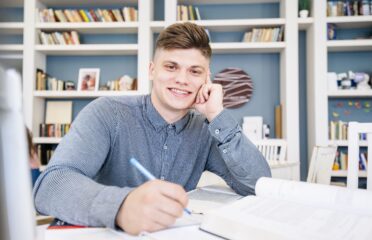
[(165, 147), (162, 177), (217, 131), (170, 126), (224, 151)]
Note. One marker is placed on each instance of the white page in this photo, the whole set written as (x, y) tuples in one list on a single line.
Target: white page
[(338, 198), (202, 200), (185, 233), (265, 218), (86, 234)]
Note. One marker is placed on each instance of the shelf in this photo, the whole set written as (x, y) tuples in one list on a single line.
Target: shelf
[(194, 2), (239, 24), (344, 143), (82, 94), (305, 23), (91, 27), (157, 26), (11, 28), (11, 48), (248, 47), (350, 93), (88, 49), (351, 21), (69, 3), (46, 140), (343, 173), (349, 45)]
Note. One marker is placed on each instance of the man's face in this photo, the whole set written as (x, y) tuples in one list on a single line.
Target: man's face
[(177, 76)]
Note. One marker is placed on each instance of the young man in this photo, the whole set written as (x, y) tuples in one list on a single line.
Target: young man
[(90, 181)]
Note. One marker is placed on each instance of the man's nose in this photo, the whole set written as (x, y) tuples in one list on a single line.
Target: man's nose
[(181, 77)]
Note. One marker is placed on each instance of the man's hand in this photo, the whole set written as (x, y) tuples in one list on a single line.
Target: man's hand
[(152, 206), (209, 100)]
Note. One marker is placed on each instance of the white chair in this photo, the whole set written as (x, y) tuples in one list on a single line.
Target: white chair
[(354, 130), (321, 164), (274, 150)]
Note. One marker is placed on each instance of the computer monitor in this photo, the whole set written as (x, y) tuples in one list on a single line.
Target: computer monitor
[(17, 215)]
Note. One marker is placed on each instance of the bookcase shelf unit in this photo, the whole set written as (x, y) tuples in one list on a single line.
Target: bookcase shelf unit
[(36, 55), (317, 68)]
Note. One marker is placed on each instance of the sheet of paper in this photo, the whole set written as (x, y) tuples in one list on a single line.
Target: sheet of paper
[(58, 112), (185, 233)]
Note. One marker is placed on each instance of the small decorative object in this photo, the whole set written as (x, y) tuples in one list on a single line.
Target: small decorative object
[(126, 83), (88, 79), (70, 85), (252, 127), (237, 86), (304, 7), (331, 31), (361, 79), (266, 131)]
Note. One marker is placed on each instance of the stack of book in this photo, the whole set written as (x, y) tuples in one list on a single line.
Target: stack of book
[(264, 35), (127, 14), (59, 38), (187, 13), (45, 152), (341, 161), (54, 130), (349, 8), (46, 82)]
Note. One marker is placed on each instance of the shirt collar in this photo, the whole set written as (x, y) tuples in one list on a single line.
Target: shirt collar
[(158, 122)]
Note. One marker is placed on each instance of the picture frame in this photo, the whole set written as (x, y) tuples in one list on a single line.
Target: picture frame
[(88, 79)]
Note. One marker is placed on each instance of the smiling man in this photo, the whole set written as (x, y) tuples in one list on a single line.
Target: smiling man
[(176, 132)]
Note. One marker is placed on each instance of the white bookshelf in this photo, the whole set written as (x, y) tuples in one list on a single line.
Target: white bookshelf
[(349, 45), (354, 93), (91, 27), (11, 27), (36, 55), (351, 21), (305, 23), (343, 173), (318, 95), (344, 143), (88, 49), (82, 94)]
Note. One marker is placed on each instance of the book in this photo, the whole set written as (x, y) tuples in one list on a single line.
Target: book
[(285, 209), (58, 112), (60, 230), (207, 198)]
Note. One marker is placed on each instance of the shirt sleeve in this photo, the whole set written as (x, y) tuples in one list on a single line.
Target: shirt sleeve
[(66, 189), (233, 157)]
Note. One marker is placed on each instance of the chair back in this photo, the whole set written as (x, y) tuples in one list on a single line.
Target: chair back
[(321, 164), (274, 150), (354, 129)]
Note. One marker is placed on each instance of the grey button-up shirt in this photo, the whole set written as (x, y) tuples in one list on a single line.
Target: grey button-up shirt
[(90, 175)]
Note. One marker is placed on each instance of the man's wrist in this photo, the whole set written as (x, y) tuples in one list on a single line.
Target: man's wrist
[(212, 115)]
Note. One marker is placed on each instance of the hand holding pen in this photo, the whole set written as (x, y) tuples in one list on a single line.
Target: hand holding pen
[(152, 206)]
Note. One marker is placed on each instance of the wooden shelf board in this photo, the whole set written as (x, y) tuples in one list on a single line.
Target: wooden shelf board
[(82, 94), (88, 49), (92, 27), (351, 21), (343, 173), (51, 3), (349, 45), (11, 27), (191, 2), (249, 47), (46, 140), (350, 93), (344, 143), (305, 23)]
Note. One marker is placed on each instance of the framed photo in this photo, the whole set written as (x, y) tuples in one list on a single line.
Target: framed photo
[(88, 79)]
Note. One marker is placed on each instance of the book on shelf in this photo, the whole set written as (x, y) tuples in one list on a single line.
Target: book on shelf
[(45, 153), (59, 38), (264, 35), (341, 161), (285, 209), (349, 8), (338, 130), (126, 14), (187, 13), (54, 130), (46, 82)]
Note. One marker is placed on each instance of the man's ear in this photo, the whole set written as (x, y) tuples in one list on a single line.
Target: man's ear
[(151, 70)]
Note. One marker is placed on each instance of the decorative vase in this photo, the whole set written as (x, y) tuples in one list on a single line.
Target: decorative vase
[(304, 13)]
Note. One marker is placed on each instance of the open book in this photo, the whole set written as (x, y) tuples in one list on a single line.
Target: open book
[(285, 209)]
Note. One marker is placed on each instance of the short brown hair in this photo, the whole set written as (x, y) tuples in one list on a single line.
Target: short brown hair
[(184, 36)]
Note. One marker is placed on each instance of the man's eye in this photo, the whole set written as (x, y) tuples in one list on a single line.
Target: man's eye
[(170, 67), (196, 72)]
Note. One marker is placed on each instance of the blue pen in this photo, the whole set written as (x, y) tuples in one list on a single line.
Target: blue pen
[(149, 176)]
